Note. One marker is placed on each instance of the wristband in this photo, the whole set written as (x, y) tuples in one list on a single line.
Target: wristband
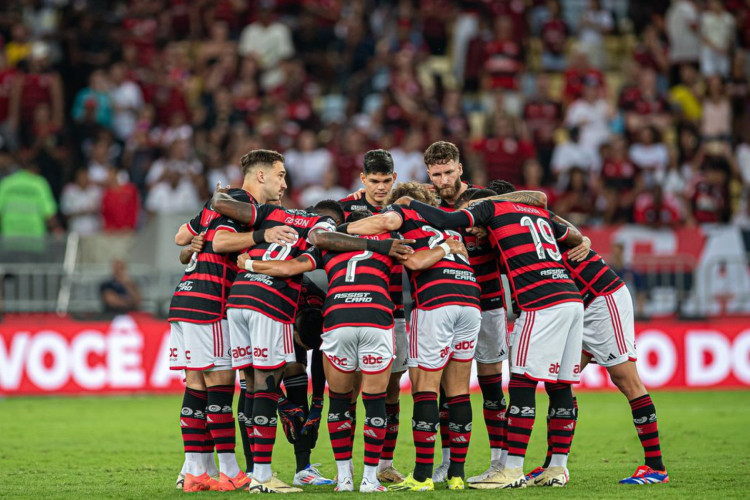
[(446, 248), (249, 265), (259, 236), (343, 228), (379, 246)]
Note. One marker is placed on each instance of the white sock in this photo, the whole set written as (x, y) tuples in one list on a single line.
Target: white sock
[(371, 473), (184, 466), (496, 454), (262, 472), (558, 460), (228, 464), (503, 458), (194, 464), (384, 464), (344, 468), (210, 464), (446, 455), (514, 462)]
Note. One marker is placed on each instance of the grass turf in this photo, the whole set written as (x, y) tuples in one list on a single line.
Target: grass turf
[(128, 447)]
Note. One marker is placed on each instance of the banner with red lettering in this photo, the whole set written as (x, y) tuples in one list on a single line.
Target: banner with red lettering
[(43, 354)]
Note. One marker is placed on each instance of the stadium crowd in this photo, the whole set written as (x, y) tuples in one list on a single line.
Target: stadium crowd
[(620, 111)]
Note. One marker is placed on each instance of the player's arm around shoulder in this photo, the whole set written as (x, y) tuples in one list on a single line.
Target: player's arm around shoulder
[(424, 259), (277, 268), (376, 224)]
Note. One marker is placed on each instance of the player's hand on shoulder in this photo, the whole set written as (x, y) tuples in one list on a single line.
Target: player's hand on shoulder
[(358, 194), (580, 252), (404, 200), (196, 244), (400, 249), (241, 259), (281, 235), (457, 247)]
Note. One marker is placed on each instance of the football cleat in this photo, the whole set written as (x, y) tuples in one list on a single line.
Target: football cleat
[(411, 484), (346, 484), (204, 482), (180, 480), (646, 475), (238, 482), (506, 478), (455, 483), (390, 475), (367, 487), (552, 476), (441, 473), (311, 476), (273, 485), (484, 475), (531, 475)]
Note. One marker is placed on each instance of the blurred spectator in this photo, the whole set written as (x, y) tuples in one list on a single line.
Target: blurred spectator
[(683, 34), (591, 115), (100, 162), (7, 74), (408, 161), (686, 96), (543, 116), (500, 153), (19, 46), (554, 37), (575, 201), (120, 202), (738, 91), (96, 97), (504, 62), (650, 155), (173, 194), (269, 42), (127, 100), (327, 190), (646, 106), (651, 52), (717, 112), (578, 74), (308, 163), (709, 196), (120, 294), (27, 207), (654, 209), (618, 182), (179, 159), (532, 178), (717, 37), (81, 204), (593, 26), (570, 154)]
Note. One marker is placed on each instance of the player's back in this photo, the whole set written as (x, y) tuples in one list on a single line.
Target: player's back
[(592, 276), (276, 297), (358, 288), (201, 295), (527, 240), (451, 281)]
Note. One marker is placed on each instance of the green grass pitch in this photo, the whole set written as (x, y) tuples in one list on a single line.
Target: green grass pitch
[(130, 447)]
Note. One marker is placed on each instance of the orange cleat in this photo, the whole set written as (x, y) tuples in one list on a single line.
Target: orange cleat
[(204, 482), (238, 482)]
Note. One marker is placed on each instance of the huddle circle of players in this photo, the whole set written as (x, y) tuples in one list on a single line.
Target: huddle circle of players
[(253, 299)]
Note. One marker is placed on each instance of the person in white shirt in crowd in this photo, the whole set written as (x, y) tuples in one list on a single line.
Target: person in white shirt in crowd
[(99, 162), (595, 23), (270, 42), (591, 114), (308, 163), (173, 194), (570, 154), (651, 156), (329, 190), (683, 34), (127, 101), (717, 37), (179, 158), (81, 203), (408, 159)]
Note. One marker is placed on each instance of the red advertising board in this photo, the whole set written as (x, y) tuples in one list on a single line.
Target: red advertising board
[(50, 355)]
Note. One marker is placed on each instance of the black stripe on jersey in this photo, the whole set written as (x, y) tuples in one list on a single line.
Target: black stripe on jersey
[(592, 276), (349, 204)]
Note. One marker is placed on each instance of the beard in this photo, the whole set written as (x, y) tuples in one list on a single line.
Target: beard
[(450, 192)]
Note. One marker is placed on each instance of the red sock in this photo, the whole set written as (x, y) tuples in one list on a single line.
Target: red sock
[(339, 425), (644, 419), (265, 406), (374, 431), (391, 431), (193, 421)]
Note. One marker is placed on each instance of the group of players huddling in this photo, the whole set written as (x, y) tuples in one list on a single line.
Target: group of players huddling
[(249, 301)]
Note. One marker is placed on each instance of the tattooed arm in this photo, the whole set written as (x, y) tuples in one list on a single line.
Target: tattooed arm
[(532, 198), (229, 207), (578, 251), (338, 242), (278, 268)]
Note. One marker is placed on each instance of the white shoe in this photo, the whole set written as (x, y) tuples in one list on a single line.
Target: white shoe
[(441, 473), (273, 485), (346, 485), (552, 476), (506, 478), (367, 487), (180, 481), (311, 477), (486, 474)]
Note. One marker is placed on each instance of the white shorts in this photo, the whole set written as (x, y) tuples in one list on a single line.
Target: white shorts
[(359, 347), (609, 330), (400, 364), (258, 340), (438, 335), (199, 346), (492, 342), (546, 344)]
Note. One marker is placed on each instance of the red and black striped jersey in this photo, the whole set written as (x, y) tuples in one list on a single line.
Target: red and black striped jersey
[(527, 239), (349, 204), (276, 297), (484, 260), (358, 287), (592, 276), (451, 281), (201, 295)]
